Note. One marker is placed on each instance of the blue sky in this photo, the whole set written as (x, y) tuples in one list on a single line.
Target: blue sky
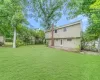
[(62, 21)]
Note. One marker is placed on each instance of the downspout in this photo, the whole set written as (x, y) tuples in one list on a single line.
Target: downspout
[(52, 35)]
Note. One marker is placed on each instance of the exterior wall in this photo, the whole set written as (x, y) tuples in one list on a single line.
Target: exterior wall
[(2, 39), (73, 45), (71, 31), (48, 42)]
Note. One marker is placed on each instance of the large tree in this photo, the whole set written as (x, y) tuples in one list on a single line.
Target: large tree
[(5, 28), (13, 14), (46, 12)]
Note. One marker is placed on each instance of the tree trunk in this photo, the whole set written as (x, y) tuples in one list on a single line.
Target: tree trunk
[(99, 45), (14, 38)]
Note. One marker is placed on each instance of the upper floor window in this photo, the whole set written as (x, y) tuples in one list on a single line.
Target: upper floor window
[(55, 31), (64, 29)]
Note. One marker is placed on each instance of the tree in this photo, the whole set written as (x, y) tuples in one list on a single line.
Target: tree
[(5, 27), (39, 36), (14, 15), (46, 12), (96, 5)]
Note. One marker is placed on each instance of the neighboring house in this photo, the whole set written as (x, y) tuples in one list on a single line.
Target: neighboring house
[(1, 40), (67, 37)]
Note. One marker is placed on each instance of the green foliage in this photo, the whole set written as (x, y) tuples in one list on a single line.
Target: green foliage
[(88, 41), (46, 12), (39, 37), (11, 14), (96, 5), (30, 36), (9, 40), (78, 48), (19, 43), (25, 34), (1, 43), (5, 27)]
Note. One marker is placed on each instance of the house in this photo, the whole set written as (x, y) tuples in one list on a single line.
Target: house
[(67, 37), (1, 40)]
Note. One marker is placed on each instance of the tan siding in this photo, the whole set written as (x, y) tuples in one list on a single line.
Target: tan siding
[(68, 45), (1, 39), (57, 42), (71, 44), (48, 35), (49, 42), (72, 31)]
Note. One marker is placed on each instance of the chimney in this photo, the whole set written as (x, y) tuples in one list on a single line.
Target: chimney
[(52, 35)]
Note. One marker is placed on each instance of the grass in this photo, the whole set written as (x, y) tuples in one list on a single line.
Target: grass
[(42, 63)]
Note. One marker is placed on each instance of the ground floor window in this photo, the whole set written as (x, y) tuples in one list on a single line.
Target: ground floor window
[(56, 39), (69, 39)]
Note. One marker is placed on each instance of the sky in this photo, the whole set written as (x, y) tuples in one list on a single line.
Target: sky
[(62, 21)]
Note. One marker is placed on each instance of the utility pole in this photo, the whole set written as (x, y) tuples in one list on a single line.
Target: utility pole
[(52, 35)]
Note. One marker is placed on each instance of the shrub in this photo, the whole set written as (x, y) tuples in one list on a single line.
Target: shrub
[(19, 43), (1, 43), (78, 48), (47, 43), (9, 40)]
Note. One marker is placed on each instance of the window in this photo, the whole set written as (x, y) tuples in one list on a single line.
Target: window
[(61, 42), (56, 39), (64, 29), (69, 39), (55, 31)]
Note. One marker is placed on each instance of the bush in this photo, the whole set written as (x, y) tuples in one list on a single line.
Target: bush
[(78, 48), (47, 43), (1, 43), (9, 40), (19, 43)]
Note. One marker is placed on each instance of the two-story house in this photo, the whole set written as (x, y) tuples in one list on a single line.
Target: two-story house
[(67, 37)]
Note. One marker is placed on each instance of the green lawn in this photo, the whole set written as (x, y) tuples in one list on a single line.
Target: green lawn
[(42, 63)]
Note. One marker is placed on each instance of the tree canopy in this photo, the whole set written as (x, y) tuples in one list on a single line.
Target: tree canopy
[(47, 12)]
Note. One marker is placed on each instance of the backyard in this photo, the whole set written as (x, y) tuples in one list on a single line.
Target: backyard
[(42, 63)]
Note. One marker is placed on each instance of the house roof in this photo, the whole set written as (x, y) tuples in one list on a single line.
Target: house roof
[(67, 25)]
